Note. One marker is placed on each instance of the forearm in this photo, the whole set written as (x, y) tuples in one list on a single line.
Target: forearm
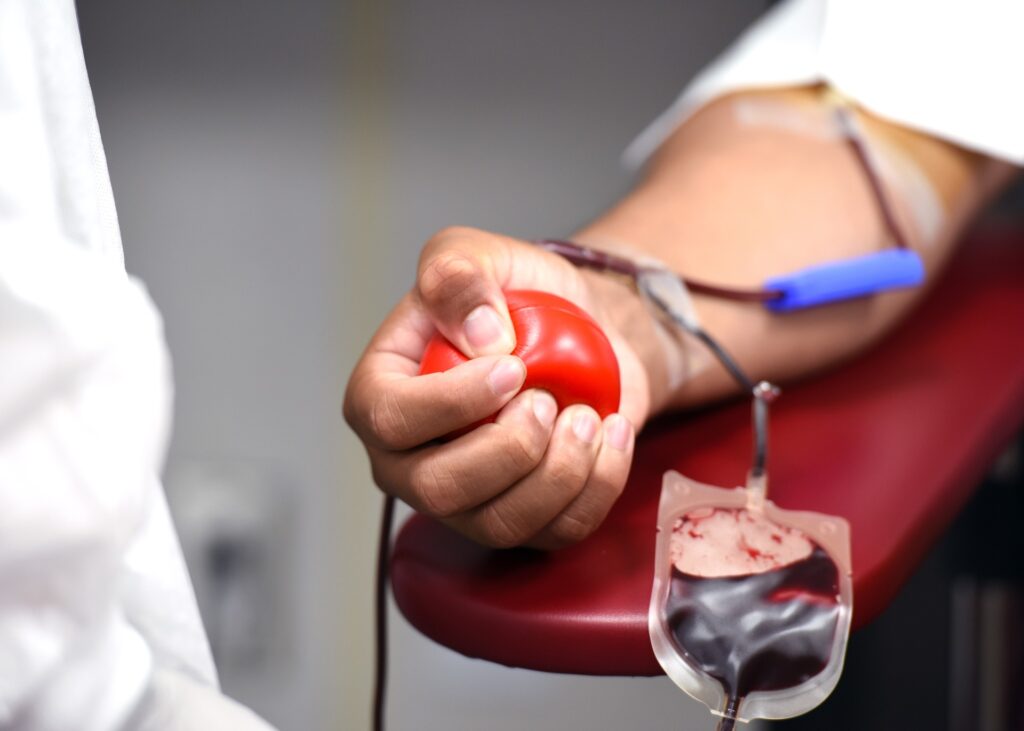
[(722, 202), (734, 202)]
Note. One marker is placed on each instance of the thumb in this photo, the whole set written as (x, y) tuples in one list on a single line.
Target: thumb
[(458, 286)]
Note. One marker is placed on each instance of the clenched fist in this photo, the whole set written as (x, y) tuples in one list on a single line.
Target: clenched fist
[(535, 475)]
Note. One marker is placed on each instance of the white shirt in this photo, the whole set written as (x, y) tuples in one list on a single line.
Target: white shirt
[(99, 628), (950, 68)]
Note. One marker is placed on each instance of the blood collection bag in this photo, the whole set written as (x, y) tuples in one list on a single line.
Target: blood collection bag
[(751, 606)]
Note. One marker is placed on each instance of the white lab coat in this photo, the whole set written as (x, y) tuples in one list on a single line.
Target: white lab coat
[(99, 628), (946, 67)]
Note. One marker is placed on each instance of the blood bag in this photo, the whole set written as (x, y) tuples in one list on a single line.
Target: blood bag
[(751, 606)]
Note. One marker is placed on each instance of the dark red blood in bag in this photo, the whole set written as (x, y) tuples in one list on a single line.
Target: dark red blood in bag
[(757, 632), (564, 349)]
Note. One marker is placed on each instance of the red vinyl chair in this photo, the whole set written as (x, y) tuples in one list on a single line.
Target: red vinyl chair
[(894, 441)]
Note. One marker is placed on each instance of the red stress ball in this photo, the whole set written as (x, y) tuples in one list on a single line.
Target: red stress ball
[(566, 353)]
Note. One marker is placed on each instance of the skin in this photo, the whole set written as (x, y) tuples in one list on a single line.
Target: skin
[(719, 202)]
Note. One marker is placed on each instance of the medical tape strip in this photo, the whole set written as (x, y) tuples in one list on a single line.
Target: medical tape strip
[(685, 355)]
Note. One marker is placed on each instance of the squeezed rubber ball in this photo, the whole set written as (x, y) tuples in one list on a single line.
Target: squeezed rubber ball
[(566, 353)]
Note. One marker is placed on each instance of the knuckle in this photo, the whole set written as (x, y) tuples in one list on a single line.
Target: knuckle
[(617, 487), (348, 408), (568, 474), (446, 276), (354, 406), (501, 530), (568, 528), (462, 398), (387, 419), (522, 450), (435, 491)]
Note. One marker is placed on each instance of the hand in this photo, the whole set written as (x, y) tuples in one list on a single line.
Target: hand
[(533, 477)]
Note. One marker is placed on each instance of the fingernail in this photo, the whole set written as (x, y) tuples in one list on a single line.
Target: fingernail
[(584, 426), (506, 376), (544, 408), (617, 432), (486, 332)]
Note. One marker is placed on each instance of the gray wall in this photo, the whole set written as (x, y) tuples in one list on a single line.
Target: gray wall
[(277, 166)]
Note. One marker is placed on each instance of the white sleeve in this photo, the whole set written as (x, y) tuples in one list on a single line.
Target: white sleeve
[(949, 68), (98, 621), (84, 412)]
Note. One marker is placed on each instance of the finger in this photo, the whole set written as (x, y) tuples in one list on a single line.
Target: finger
[(461, 272), (444, 480), (395, 350), (608, 478), (396, 412), (518, 513)]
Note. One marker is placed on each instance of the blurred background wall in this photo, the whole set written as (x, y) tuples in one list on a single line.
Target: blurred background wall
[(277, 166)]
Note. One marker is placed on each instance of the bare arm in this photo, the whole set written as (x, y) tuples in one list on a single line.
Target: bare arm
[(733, 201), (725, 200)]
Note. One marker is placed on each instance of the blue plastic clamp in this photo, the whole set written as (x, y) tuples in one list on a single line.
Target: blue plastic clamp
[(846, 279)]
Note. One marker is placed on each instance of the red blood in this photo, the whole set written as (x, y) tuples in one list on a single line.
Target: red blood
[(750, 550), (565, 352), (757, 632)]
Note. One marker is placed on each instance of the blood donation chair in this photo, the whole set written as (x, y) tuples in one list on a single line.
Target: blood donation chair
[(895, 441)]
